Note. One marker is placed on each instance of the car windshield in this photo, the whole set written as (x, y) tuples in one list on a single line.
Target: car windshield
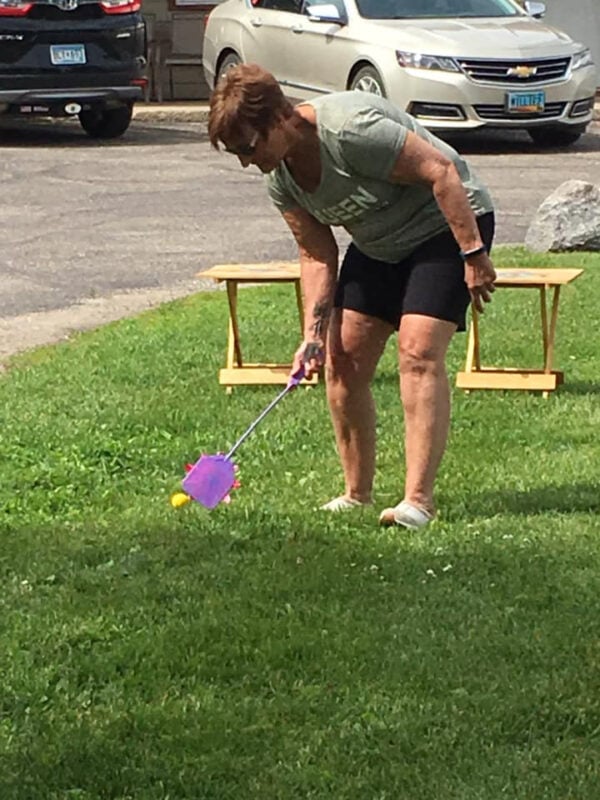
[(417, 9)]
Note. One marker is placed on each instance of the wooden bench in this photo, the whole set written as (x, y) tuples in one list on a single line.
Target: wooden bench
[(237, 371), (544, 379)]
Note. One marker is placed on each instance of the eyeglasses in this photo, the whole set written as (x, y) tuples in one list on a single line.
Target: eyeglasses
[(244, 149)]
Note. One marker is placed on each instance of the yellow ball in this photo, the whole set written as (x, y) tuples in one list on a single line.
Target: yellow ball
[(179, 499)]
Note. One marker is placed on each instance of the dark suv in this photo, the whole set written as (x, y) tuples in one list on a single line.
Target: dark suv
[(82, 58)]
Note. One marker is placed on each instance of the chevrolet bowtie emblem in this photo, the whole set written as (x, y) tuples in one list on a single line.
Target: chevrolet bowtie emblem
[(522, 71)]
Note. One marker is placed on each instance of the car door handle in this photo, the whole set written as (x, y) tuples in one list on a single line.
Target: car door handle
[(298, 29), (256, 22)]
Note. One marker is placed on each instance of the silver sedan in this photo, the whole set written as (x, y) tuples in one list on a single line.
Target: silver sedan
[(453, 64)]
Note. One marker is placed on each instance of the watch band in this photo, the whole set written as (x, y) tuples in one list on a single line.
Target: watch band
[(476, 251)]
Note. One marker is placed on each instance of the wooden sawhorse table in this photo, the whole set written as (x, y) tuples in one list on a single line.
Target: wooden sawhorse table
[(236, 371), (545, 379)]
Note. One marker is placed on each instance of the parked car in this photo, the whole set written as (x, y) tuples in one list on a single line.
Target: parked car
[(453, 64), (83, 58)]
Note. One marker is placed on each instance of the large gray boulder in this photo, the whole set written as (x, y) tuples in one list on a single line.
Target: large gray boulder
[(568, 219)]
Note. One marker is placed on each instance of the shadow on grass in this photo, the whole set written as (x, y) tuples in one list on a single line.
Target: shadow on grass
[(579, 387), (565, 499), (289, 660)]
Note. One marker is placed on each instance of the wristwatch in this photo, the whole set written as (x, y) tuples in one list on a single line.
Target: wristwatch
[(476, 251)]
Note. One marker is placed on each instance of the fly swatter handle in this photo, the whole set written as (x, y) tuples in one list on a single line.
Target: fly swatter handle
[(292, 383), (295, 378)]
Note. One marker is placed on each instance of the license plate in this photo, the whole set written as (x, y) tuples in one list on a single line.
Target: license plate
[(525, 102), (67, 54)]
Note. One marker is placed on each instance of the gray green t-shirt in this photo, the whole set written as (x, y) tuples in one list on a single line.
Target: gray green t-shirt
[(361, 136)]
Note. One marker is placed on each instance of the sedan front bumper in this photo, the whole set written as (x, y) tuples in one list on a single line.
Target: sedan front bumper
[(451, 101)]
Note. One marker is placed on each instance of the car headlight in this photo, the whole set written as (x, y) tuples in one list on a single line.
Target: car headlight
[(422, 61), (582, 59)]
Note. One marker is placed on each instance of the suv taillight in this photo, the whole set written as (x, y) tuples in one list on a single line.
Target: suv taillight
[(14, 8), (119, 6)]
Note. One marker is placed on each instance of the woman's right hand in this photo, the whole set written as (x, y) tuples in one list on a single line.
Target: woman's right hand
[(311, 356)]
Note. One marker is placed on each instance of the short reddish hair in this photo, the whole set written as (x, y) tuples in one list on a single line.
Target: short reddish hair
[(247, 96)]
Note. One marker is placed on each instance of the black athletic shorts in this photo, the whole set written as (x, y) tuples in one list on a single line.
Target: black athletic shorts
[(430, 281)]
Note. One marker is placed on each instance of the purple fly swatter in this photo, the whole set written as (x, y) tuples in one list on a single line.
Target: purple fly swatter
[(211, 478)]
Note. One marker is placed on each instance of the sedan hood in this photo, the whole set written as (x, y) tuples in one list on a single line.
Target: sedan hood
[(485, 38)]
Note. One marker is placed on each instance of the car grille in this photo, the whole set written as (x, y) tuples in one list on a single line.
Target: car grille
[(500, 71), (499, 112)]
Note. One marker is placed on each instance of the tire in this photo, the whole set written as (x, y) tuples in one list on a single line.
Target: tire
[(230, 60), (556, 137), (367, 79), (106, 123)]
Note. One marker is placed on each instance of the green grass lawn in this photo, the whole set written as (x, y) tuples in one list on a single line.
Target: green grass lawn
[(264, 651)]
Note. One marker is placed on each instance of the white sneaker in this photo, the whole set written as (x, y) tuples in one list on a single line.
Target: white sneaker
[(407, 515), (341, 504)]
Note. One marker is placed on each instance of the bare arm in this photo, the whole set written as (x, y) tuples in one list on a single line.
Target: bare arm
[(420, 162), (318, 252)]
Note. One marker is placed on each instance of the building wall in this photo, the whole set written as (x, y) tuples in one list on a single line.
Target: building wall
[(580, 19), (178, 82)]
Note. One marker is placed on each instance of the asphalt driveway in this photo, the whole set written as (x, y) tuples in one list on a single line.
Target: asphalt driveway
[(97, 231)]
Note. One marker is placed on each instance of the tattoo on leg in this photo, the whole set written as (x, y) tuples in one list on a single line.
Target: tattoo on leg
[(321, 312)]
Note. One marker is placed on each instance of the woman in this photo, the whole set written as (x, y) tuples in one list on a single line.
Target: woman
[(421, 225)]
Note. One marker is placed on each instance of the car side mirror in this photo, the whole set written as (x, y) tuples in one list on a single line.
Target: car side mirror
[(536, 10), (326, 12)]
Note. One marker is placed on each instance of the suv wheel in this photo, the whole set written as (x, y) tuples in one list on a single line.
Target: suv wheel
[(106, 123), (556, 137), (367, 79)]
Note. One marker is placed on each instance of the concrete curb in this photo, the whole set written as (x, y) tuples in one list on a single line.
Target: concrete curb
[(171, 112)]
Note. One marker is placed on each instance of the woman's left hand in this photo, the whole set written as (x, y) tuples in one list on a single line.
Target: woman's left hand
[(479, 277)]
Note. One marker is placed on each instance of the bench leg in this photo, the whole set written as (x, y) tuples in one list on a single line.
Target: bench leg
[(234, 348), (473, 346), (544, 319), (549, 330), (473, 361), (552, 330)]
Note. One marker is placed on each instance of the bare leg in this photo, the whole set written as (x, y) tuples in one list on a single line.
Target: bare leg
[(355, 345), (423, 343)]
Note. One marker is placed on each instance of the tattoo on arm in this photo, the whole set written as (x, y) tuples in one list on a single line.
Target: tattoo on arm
[(313, 351), (321, 313)]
